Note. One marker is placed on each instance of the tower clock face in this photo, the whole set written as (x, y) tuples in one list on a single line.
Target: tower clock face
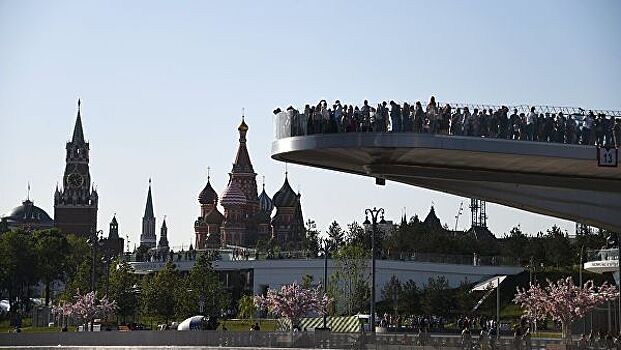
[(75, 180)]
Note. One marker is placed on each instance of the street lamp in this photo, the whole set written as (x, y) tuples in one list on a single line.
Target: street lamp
[(325, 249), (618, 272), (374, 214), (106, 259), (93, 241)]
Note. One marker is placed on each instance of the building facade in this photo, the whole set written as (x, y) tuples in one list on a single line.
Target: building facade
[(75, 203)]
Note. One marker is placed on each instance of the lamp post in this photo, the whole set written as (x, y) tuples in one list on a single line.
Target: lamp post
[(325, 249), (612, 241), (93, 241), (106, 259), (619, 280), (374, 215)]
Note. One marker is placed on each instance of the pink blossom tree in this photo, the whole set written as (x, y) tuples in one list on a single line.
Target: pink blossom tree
[(86, 308), (293, 302), (63, 311), (563, 301)]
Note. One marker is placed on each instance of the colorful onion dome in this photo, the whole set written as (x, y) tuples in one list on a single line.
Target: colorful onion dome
[(208, 195), (265, 202), (285, 197), (233, 195)]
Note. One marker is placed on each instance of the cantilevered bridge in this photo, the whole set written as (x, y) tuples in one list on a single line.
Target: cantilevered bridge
[(576, 182)]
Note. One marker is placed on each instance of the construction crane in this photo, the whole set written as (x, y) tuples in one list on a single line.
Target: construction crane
[(459, 212)]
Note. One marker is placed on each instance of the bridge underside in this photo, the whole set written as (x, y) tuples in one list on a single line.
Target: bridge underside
[(553, 179)]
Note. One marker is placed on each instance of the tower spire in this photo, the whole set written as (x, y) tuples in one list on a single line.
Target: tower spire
[(148, 210), (242, 160), (28, 195), (78, 133), (147, 238)]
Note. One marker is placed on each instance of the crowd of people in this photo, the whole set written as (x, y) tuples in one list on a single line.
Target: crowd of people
[(534, 124), (413, 322), (599, 340)]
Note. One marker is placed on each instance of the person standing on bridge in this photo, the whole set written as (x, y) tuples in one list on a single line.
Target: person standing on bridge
[(445, 117), (530, 124), (336, 119), (325, 116), (617, 131), (395, 117), (493, 123), (587, 127), (456, 123), (381, 117), (419, 117), (365, 122), (406, 117), (467, 128), (608, 126), (432, 112)]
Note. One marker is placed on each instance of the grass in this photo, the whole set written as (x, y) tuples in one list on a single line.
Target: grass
[(244, 325), (35, 329)]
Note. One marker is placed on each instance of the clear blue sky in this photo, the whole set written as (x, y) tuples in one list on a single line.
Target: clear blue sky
[(163, 85)]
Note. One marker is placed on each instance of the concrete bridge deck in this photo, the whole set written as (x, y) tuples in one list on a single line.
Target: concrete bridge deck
[(554, 179)]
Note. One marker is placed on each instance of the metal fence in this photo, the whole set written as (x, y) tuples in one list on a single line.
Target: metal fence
[(227, 254), (309, 340)]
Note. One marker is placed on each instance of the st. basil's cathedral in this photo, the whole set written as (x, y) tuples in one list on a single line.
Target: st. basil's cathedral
[(247, 216)]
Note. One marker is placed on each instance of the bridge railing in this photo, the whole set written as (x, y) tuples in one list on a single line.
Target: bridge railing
[(602, 254), (603, 127)]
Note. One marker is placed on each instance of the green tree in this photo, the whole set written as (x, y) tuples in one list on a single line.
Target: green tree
[(307, 281), (436, 297), (204, 293), (559, 251), (361, 297), (246, 307), (335, 232), (356, 234), (589, 239), (52, 250), (516, 245), (391, 293), (160, 293), (123, 289), (463, 299), (18, 260), (351, 263), (311, 238), (410, 297), (79, 268)]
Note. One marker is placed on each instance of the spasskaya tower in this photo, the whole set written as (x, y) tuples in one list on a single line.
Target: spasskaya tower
[(75, 204)]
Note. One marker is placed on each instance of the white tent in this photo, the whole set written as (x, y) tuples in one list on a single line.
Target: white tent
[(489, 284), (192, 323), (5, 306)]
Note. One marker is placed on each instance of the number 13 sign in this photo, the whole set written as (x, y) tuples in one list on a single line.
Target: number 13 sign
[(607, 156)]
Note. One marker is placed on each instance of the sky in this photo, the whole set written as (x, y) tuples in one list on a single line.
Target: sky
[(163, 85)]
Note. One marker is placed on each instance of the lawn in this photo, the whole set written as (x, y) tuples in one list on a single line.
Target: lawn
[(244, 325)]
